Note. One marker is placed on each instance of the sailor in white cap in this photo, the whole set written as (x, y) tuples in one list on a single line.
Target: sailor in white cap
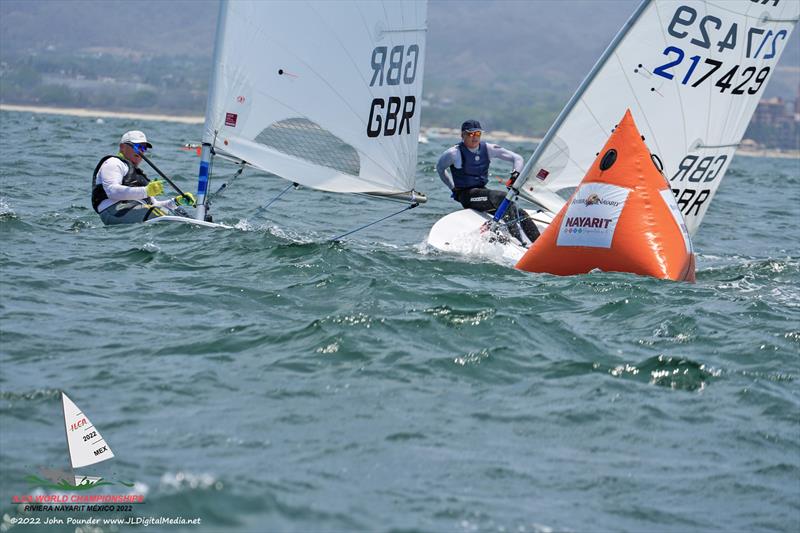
[(122, 193)]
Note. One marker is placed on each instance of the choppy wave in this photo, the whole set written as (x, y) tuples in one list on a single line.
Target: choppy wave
[(264, 377)]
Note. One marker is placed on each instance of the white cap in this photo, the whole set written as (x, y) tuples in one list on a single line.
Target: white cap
[(134, 137)]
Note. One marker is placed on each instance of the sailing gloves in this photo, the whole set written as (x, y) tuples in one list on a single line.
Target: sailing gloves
[(186, 199), (154, 188)]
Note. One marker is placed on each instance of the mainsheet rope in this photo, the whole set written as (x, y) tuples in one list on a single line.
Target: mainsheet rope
[(410, 206), (295, 185)]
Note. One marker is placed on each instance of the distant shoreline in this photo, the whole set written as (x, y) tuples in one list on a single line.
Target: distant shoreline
[(434, 132), (97, 113)]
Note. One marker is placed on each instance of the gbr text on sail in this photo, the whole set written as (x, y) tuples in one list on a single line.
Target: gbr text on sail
[(394, 67)]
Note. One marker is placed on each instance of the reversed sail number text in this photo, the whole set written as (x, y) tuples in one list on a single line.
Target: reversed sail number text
[(758, 40)]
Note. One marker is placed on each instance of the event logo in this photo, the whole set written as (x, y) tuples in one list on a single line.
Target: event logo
[(595, 199), (86, 447), (592, 215)]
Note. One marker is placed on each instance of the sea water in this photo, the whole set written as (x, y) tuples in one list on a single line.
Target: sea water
[(262, 378)]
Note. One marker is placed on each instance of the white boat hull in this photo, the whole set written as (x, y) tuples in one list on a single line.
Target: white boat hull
[(460, 233), (171, 219)]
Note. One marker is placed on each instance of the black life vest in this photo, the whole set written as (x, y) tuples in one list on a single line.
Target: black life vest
[(134, 178), (474, 171)]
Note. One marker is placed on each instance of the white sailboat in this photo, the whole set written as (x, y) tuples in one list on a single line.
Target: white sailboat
[(323, 94), (85, 444), (691, 72)]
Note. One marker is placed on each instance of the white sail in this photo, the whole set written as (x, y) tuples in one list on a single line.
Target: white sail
[(692, 73), (326, 94), (86, 445)]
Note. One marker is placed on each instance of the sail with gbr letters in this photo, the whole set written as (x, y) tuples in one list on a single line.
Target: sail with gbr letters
[(692, 73), (324, 94)]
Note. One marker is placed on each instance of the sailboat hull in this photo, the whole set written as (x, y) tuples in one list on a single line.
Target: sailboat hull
[(183, 220), (460, 233)]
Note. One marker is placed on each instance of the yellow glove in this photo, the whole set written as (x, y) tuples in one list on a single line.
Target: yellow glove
[(186, 199), (154, 188)]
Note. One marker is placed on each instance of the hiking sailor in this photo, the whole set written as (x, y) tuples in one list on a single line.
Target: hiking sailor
[(121, 192), (468, 165)]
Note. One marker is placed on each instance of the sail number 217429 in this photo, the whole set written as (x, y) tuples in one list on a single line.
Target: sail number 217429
[(709, 32)]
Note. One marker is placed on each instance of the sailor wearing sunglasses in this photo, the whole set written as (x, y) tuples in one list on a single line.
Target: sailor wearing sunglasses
[(122, 193), (464, 168)]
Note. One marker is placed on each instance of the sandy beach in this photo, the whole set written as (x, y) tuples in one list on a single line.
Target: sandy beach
[(96, 113), (432, 132)]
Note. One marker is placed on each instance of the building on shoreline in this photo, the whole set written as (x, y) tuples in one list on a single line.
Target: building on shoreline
[(776, 124)]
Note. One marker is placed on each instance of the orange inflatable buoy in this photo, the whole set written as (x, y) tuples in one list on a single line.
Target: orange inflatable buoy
[(621, 218)]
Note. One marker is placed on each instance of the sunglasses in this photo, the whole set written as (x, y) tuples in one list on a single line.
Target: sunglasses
[(473, 134), (139, 148)]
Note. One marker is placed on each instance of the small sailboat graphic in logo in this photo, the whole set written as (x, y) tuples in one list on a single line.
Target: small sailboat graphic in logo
[(86, 446)]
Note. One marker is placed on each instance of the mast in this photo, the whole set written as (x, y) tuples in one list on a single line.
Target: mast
[(206, 155), (528, 169)]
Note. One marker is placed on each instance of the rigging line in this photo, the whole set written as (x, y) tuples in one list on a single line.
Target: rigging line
[(295, 185), (410, 206), (509, 222), (224, 186)]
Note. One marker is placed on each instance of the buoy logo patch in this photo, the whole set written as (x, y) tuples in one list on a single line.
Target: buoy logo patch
[(592, 216)]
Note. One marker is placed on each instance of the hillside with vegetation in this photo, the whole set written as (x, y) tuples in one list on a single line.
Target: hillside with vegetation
[(513, 64)]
